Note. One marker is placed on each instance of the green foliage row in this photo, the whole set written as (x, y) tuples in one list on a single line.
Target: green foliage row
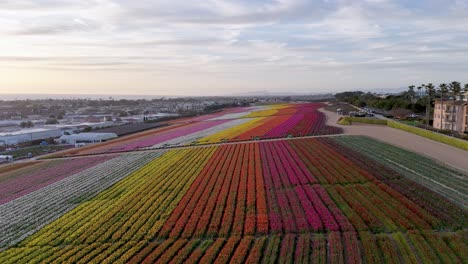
[(441, 179)]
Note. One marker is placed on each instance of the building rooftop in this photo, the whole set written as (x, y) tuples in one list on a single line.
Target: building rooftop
[(448, 101), (26, 131), (90, 136)]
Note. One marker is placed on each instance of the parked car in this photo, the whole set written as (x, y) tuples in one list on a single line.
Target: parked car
[(357, 114)]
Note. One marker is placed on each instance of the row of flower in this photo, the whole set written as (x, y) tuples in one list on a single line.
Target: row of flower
[(223, 200), (23, 181), (228, 197), (162, 137), (445, 212), (25, 215), (448, 182), (132, 210), (335, 247), (291, 120), (238, 124), (273, 201), (193, 137), (179, 132)]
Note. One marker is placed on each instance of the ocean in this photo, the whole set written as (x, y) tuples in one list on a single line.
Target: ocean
[(11, 97)]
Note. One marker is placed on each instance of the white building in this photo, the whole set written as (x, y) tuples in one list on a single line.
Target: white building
[(6, 158), (86, 138), (78, 126), (24, 135), (153, 116)]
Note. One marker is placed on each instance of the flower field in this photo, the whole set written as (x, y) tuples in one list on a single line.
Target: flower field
[(20, 182), (231, 125), (448, 182), (306, 200), (278, 122), (28, 213)]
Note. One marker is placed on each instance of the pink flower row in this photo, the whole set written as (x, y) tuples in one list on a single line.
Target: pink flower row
[(294, 205)]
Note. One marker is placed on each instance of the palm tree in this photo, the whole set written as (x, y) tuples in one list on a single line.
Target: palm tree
[(419, 91), (443, 89), (430, 89), (411, 92), (465, 91), (455, 89)]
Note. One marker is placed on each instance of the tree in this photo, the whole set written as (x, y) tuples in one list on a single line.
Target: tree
[(52, 121), (443, 90), (455, 89), (419, 91), (465, 91), (88, 129), (411, 93), (26, 124), (123, 114), (430, 89)]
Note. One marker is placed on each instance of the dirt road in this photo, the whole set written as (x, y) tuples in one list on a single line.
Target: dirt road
[(444, 153)]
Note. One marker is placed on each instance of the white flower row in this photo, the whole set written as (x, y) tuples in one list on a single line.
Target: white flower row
[(187, 139), (27, 214)]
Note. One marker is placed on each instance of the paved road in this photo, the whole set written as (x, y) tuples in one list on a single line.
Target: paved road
[(444, 153)]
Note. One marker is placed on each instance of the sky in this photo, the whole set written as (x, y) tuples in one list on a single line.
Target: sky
[(216, 47)]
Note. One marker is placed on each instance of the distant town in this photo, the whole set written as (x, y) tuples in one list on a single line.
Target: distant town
[(31, 127)]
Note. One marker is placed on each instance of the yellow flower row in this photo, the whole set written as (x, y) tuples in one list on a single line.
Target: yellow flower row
[(273, 109), (233, 132)]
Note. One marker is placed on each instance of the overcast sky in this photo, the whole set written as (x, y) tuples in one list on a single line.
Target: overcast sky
[(216, 47)]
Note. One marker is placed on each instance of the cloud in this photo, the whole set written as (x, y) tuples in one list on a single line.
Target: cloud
[(280, 40)]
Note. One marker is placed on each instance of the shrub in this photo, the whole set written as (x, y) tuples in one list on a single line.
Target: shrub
[(430, 135), (350, 119), (344, 121)]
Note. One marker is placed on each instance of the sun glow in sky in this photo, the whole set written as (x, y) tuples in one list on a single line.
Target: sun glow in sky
[(216, 47)]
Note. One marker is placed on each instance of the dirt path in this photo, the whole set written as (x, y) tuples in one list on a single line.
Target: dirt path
[(447, 154)]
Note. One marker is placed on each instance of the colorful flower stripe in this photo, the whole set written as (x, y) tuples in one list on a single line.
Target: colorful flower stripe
[(232, 133), (215, 115), (13, 167), (130, 214), (264, 126), (169, 134), (26, 214), (230, 125), (282, 129), (198, 190), (289, 110), (288, 201), (450, 183), (54, 171), (193, 137), (271, 110), (437, 209)]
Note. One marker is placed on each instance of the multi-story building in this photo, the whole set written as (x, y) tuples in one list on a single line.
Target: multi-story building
[(451, 115)]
